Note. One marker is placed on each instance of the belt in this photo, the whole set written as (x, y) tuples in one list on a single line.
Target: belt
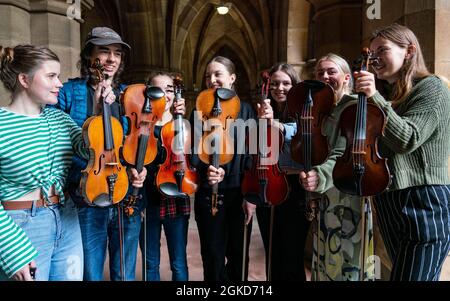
[(21, 205)]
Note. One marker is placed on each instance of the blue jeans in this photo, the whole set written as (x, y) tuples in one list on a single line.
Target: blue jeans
[(176, 230), (100, 230), (55, 232)]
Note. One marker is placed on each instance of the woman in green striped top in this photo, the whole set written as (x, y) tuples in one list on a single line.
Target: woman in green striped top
[(38, 226)]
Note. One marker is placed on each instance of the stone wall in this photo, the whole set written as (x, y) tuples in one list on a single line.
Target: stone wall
[(42, 22)]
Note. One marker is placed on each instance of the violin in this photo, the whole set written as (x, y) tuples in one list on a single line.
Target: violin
[(218, 108), (360, 170), (175, 177), (104, 181), (143, 107), (310, 102), (256, 181)]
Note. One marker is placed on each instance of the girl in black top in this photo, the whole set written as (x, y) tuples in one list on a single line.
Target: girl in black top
[(221, 235)]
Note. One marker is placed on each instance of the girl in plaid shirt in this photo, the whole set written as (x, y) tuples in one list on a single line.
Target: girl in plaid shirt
[(160, 211)]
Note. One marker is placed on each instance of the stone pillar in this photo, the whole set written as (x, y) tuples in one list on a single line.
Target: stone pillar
[(427, 19), (15, 29), (297, 41), (337, 28), (442, 42), (43, 22)]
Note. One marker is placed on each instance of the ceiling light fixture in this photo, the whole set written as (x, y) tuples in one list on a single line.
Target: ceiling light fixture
[(223, 9)]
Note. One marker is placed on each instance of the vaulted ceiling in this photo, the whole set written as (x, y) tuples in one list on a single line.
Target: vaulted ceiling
[(183, 35)]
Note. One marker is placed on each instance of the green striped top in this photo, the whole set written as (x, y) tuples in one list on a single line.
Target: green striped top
[(35, 153)]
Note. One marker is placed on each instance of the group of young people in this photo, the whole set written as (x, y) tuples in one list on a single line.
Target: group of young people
[(47, 227)]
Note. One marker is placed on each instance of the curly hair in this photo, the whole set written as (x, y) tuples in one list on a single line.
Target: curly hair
[(85, 62)]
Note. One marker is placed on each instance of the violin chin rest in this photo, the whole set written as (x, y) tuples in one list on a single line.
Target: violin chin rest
[(171, 190), (225, 94), (102, 201)]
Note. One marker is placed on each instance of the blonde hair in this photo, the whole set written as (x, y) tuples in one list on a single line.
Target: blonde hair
[(343, 66), (412, 68)]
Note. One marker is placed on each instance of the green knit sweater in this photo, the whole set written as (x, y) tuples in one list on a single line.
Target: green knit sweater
[(336, 144), (417, 135)]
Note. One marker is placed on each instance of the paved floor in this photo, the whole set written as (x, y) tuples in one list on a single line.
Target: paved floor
[(256, 254)]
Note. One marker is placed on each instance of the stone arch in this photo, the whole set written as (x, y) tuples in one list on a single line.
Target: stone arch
[(218, 48), (243, 12)]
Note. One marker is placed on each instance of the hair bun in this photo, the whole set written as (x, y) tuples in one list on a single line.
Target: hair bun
[(6, 56)]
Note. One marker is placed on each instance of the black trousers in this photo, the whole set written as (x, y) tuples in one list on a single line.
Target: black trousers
[(290, 229), (221, 236)]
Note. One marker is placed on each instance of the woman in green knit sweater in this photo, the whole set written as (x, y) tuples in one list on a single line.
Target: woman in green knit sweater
[(413, 213)]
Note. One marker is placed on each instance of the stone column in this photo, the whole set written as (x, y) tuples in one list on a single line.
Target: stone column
[(442, 42), (43, 22), (337, 28), (297, 41)]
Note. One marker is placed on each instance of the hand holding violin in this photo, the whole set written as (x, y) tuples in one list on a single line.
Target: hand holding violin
[(309, 180), (179, 107), (103, 91), (137, 179), (215, 175), (265, 110), (365, 83), (249, 209)]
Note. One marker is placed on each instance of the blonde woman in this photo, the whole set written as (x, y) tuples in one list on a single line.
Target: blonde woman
[(337, 256)]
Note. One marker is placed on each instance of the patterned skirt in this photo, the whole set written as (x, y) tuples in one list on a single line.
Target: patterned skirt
[(344, 249)]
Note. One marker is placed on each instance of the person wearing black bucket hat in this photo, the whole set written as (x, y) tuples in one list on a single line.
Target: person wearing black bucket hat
[(79, 98)]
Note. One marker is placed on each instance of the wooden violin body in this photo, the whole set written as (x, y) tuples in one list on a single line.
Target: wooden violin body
[(310, 103), (310, 111), (104, 181), (176, 177), (143, 106), (366, 161), (360, 170), (218, 107), (266, 181)]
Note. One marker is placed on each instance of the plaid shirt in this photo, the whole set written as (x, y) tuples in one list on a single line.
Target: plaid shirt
[(172, 207)]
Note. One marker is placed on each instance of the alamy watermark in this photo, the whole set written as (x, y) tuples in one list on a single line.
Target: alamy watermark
[(252, 137), (373, 267), (74, 268), (74, 10), (374, 10)]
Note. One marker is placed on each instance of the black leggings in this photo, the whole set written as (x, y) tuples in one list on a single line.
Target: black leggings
[(221, 236), (290, 230)]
